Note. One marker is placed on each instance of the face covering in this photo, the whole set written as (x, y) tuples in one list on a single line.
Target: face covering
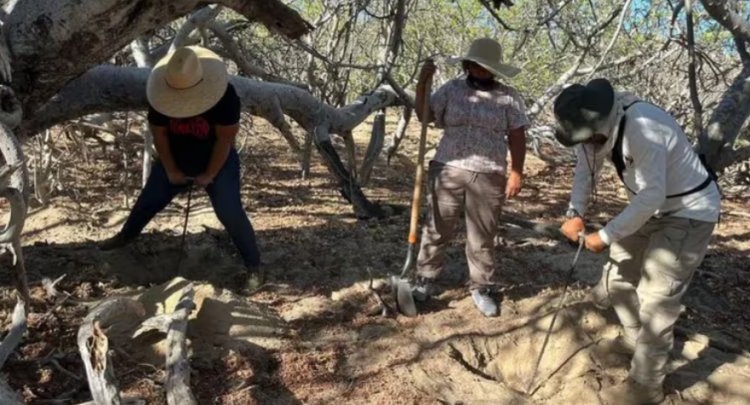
[(480, 84)]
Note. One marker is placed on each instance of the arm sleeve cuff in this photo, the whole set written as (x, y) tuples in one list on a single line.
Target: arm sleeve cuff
[(605, 236)]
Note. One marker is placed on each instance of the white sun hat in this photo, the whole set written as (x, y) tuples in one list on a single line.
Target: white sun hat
[(487, 53), (187, 82)]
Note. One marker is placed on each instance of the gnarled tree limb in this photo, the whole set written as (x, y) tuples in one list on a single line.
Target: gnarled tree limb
[(7, 395), (178, 366), (733, 110), (109, 88), (94, 347), (17, 329), (53, 42)]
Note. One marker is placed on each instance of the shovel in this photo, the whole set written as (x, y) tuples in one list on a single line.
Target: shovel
[(400, 286)]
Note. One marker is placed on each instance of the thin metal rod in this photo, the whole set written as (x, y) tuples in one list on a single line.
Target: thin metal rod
[(568, 278), (184, 227)]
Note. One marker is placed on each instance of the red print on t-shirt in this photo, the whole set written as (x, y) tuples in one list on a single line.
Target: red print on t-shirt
[(196, 127)]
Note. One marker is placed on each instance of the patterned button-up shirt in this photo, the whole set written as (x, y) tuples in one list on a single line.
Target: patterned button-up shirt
[(475, 125)]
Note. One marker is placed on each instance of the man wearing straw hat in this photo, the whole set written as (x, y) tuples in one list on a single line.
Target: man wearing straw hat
[(194, 116), (479, 116), (658, 240)]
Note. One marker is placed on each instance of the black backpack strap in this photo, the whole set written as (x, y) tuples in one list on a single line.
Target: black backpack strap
[(695, 189), (711, 172), (617, 159), (619, 163)]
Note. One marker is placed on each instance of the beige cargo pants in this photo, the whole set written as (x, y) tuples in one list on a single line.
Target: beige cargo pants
[(450, 189), (646, 277)]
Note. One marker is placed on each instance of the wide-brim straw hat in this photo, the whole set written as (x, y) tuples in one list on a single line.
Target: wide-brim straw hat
[(487, 53), (187, 82)]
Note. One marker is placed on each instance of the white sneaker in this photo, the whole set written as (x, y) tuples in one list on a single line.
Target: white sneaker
[(484, 302)]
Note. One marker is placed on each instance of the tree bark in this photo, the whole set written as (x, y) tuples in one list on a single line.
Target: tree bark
[(720, 11), (730, 115), (13, 338), (94, 347), (144, 59), (692, 75), (623, 13), (726, 122), (174, 325), (13, 181), (54, 42), (395, 33), (398, 136), (377, 139), (178, 366), (556, 88), (7, 395)]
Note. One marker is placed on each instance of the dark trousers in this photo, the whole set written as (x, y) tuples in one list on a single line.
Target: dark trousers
[(224, 193)]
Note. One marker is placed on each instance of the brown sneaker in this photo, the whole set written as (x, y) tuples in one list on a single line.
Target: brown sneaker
[(631, 392), (247, 280)]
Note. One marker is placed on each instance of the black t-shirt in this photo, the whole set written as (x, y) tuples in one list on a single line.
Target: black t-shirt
[(192, 139)]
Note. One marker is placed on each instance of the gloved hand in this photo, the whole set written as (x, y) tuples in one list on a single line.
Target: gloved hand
[(572, 228)]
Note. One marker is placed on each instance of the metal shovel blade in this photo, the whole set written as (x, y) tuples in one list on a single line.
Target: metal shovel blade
[(401, 291)]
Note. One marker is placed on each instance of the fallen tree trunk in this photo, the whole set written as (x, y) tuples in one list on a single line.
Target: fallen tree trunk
[(13, 187), (9, 344), (178, 366), (94, 347), (109, 88), (54, 42), (17, 329), (7, 395)]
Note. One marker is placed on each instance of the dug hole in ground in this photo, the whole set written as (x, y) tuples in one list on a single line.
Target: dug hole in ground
[(314, 335)]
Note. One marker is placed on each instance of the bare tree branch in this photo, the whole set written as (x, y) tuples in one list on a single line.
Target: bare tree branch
[(141, 52), (17, 329), (178, 366), (109, 88), (53, 42), (194, 22), (733, 110), (726, 121), (236, 55), (611, 65), (624, 11), (692, 77), (94, 347), (556, 88), (720, 11), (395, 40), (742, 50), (497, 17)]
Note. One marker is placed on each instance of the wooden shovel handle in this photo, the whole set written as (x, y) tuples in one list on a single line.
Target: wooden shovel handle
[(419, 178)]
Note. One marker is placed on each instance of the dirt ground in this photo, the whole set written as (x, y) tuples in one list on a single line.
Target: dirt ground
[(313, 335)]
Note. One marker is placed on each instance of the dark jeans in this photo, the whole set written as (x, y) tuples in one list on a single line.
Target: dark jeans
[(224, 193)]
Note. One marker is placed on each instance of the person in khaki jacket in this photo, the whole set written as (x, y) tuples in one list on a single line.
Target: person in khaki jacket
[(658, 240), (479, 116)]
